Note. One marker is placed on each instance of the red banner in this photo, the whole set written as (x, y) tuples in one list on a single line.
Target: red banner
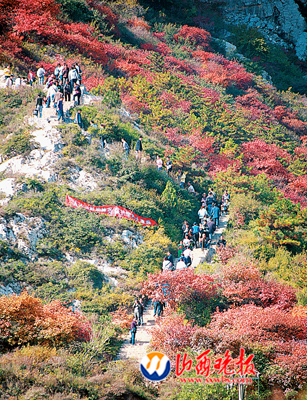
[(112, 211)]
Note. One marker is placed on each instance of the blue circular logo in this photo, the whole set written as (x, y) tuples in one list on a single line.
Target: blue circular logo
[(155, 366)]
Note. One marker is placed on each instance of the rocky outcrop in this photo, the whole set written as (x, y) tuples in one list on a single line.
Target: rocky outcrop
[(281, 21), (23, 232), (11, 288)]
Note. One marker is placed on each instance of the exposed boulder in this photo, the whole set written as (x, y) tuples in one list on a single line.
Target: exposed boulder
[(23, 232), (281, 21)]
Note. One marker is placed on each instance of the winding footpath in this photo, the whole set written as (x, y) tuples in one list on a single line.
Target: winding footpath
[(143, 337)]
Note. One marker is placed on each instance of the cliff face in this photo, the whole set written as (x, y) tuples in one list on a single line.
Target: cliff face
[(282, 21)]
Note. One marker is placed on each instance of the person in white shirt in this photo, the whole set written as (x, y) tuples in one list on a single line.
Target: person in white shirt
[(17, 82), (202, 213), (40, 74), (167, 265), (159, 163), (180, 264), (50, 94), (188, 253), (186, 241), (191, 188), (73, 77)]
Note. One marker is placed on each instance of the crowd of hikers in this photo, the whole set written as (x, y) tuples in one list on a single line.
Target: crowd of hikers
[(199, 235), (63, 84)]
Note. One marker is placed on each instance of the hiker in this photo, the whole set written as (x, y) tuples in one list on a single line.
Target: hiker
[(133, 330), (216, 215), (73, 77), (50, 94), (166, 265), (159, 163), (31, 77), (183, 179), (57, 71), (67, 91), (170, 257), (181, 263), (9, 82), (7, 72), (186, 242), (209, 202), (141, 311), (64, 74), (191, 188), (50, 81), (202, 213), (226, 196), (78, 119), (158, 307), (195, 233), (169, 165), (225, 206), (59, 85), (76, 93), (80, 73), (39, 105), (60, 108), (203, 200), (188, 255), (213, 195), (211, 228), (41, 74), (103, 142), (138, 148), (56, 99), (185, 228), (203, 240), (125, 147), (221, 242), (180, 248), (178, 176), (136, 311), (18, 82)]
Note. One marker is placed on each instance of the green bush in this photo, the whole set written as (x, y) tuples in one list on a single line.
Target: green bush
[(76, 10), (19, 144), (86, 275)]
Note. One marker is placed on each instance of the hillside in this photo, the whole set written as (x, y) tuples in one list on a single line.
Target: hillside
[(228, 107)]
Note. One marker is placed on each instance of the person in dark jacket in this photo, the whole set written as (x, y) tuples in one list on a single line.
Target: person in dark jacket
[(67, 91), (78, 119), (209, 202), (216, 215), (138, 148), (136, 309), (195, 232), (77, 94), (158, 308), (221, 242), (170, 258), (211, 228), (39, 105), (60, 108), (133, 330), (141, 311)]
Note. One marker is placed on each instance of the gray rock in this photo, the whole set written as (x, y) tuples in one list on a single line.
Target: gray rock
[(282, 17)]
